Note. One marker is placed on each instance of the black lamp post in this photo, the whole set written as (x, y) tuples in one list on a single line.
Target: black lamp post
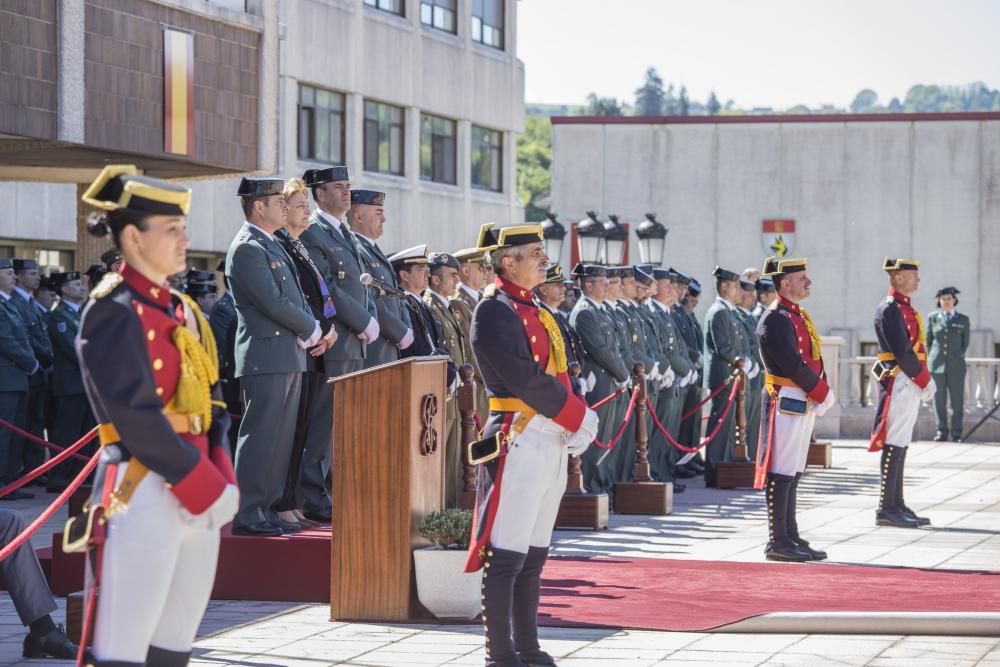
[(590, 239), (652, 240), (554, 234), (615, 241)]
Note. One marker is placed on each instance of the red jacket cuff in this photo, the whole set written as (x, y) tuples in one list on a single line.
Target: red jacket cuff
[(922, 378), (571, 415), (200, 487), (224, 464), (819, 392)]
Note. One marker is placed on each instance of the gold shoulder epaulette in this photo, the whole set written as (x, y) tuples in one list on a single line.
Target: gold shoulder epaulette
[(108, 283), (490, 292), (889, 299)]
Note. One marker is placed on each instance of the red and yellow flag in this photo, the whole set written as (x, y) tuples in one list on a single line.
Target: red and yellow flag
[(178, 92)]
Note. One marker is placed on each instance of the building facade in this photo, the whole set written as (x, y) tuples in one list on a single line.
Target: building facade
[(420, 98), (854, 188)]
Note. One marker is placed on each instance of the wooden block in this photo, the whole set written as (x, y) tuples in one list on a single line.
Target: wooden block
[(583, 510), (820, 454), (650, 498), (734, 474)]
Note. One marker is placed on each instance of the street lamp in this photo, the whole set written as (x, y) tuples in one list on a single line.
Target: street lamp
[(554, 234), (652, 240), (590, 239), (615, 240)]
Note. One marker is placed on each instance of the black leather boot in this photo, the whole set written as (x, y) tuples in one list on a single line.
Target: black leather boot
[(500, 573), (527, 590), (889, 512), (780, 546), (793, 524), (923, 521), (161, 657)]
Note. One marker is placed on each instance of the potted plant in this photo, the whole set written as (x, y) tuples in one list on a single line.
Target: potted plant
[(442, 585)]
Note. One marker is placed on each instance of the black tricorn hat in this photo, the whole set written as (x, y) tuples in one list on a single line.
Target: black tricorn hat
[(372, 197), (24, 264), (120, 187), (554, 274), (764, 285), (314, 177), (56, 280), (260, 187), (111, 256), (900, 264), (775, 266), (590, 271), (94, 273), (694, 289), (725, 274)]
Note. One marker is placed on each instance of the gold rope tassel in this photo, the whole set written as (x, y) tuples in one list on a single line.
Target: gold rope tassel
[(817, 342), (557, 347), (199, 366)]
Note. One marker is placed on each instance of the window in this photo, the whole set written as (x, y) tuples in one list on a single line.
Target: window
[(437, 149), (56, 260), (321, 125), (487, 22), (391, 6), (383, 138), (438, 14), (487, 159)]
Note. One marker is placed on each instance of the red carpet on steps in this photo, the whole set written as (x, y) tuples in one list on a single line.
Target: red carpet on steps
[(693, 595)]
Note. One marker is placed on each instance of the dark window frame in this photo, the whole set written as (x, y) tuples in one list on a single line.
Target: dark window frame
[(309, 118), (483, 148), (441, 165), (437, 14), (489, 23), (394, 7), (380, 129)]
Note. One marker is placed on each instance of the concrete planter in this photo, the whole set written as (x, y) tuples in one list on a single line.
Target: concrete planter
[(443, 587)]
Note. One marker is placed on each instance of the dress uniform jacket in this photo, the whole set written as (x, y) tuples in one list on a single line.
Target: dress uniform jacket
[(724, 342), (454, 342), (17, 363), (754, 386), (462, 307), (900, 333), (73, 416), (669, 400), (689, 329), (32, 455), (392, 314), (223, 323), (427, 336), (342, 261), (947, 343)]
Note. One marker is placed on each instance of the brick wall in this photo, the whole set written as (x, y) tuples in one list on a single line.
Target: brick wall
[(124, 82), (28, 69)]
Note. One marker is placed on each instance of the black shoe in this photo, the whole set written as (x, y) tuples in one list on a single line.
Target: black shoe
[(684, 472), (921, 520), (18, 494), (787, 552), (895, 519), (537, 658), (940, 437), (259, 529), (814, 554), (53, 645), (679, 488), (321, 516), (286, 527)]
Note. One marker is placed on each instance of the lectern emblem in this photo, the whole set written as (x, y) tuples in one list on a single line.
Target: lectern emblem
[(428, 434)]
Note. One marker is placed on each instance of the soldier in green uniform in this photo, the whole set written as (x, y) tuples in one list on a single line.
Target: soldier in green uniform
[(17, 365), (442, 282), (724, 351), (689, 433), (751, 349), (947, 342), (22, 298), (594, 326), (472, 275), (72, 416), (626, 338), (223, 325)]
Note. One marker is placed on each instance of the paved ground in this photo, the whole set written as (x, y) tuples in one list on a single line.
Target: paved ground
[(958, 486)]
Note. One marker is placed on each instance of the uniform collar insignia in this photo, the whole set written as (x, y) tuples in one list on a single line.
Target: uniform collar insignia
[(898, 297), (515, 291), (790, 305), (159, 294)]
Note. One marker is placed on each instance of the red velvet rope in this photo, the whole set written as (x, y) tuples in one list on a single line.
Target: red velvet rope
[(39, 441), (625, 421), (708, 438), (33, 527), (51, 463), (608, 399), (715, 392)]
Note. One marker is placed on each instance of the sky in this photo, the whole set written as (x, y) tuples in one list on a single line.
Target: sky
[(760, 53)]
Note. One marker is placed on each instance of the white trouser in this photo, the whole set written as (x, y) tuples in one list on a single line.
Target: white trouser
[(904, 404), (792, 434), (534, 480), (156, 576)]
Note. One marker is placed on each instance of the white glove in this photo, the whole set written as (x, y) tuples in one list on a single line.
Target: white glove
[(582, 384), (654, 372), (591, 381), (927, 393), (696, 377), (668, 379), (578, 442), (623, 384), (313, 339), (754, 370), (822, 408), (407, 340), (371, 331), (220, 512)]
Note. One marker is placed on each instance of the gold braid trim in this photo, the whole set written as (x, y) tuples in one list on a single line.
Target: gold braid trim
[(199, 365), (817, 342), (557, 347), (921, 334)]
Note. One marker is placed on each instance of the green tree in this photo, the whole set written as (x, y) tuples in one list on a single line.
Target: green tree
[(603, 106), (669, 102), (713, 105), (649, 96), (865, 102), (534, 165), (895, 106), (683, 104)]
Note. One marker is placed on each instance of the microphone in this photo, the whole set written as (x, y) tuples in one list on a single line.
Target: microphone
[(369, 280)]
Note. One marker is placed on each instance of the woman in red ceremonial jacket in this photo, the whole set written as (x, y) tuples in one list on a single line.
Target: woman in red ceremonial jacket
[(165, 480)]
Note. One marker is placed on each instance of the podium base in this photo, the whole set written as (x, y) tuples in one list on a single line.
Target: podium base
[(650, 498), (587, 511), (734, 474), (820, 454)]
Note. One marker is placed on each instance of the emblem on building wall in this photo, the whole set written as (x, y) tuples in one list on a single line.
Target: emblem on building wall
[(778, 237)]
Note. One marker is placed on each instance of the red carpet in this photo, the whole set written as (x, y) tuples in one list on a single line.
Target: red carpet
[(691, 595)]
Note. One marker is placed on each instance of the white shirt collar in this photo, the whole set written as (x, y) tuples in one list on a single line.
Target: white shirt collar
[(339, 225), (74, 306), (662, 306), (23, 292), (250, 224), (473, 294), (726, 303), (6, 297), (440, 298), (371, 241), (590, 301)]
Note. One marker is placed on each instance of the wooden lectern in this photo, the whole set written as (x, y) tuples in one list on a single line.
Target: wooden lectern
[(388, 474)]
